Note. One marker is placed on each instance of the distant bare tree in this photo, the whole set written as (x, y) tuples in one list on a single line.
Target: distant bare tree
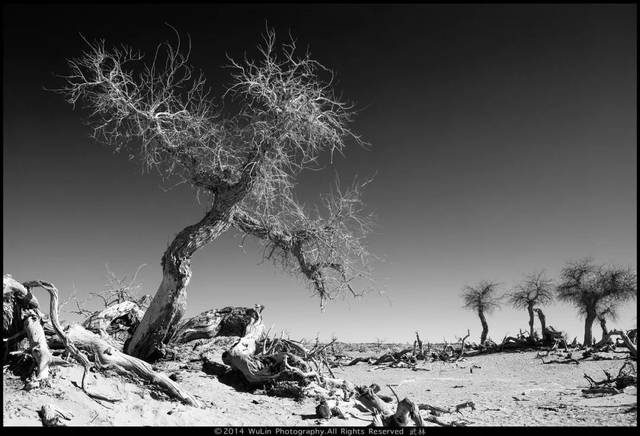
[(482, 299), (591, 287), (283, 115), (534, 290)]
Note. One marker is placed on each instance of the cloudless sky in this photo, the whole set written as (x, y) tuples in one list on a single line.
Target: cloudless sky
[(503, 142)]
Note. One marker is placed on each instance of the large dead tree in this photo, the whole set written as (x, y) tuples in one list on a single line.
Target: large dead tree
[(588, 286), (244, 161)]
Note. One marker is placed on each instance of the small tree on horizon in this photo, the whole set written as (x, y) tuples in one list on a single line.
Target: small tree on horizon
[(535, 290), (281, 116), (482, 299), (590, 288)]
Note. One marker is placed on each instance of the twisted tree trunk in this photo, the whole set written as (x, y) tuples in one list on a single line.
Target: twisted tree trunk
[(485, 326), (161, 319)]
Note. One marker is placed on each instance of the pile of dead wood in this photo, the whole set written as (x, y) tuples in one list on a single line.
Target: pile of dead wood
[(411, 356), (605, 349), (406, 413), (627, 376)]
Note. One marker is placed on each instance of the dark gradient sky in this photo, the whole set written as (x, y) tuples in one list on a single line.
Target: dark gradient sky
[(503, 138)]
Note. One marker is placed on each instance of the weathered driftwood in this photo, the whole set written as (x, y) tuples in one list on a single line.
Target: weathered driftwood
[(406, 413), (228, 321), (278, 362), (105, 354), (241, 356), (115, 319), (31, 324), (259, 369), (633, 348), (108, 357)]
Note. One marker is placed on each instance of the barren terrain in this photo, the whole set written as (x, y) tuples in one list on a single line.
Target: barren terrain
[(508, 389)]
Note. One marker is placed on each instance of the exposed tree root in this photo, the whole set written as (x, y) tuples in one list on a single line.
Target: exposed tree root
[(106, 355)]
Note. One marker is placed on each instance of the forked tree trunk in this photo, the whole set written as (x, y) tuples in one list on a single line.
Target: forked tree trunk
[(169, 303), (485, 327), (546, 339)]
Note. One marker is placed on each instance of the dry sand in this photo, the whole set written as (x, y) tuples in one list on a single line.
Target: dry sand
[(508, 389)]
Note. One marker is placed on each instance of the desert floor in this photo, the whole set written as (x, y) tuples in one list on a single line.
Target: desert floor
[(508, 389)]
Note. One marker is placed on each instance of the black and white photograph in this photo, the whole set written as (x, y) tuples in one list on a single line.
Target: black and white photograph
[(263, 216)]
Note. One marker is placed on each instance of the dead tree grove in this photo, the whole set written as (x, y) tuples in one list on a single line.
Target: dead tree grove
[(244, 161)]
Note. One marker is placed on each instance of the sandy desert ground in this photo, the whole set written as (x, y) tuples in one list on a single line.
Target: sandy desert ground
[(508, 389)]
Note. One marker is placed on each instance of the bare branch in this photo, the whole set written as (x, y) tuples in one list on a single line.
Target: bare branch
[(535, 290)]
